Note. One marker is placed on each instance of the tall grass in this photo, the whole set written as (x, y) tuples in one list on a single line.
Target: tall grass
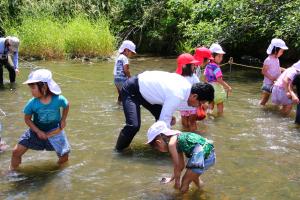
[(87, 38), (45, 37)]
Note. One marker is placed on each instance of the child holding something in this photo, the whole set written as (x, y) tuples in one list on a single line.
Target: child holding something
[(44, 118), (198, 149), (121, 69), (214, 76), (271, 68), (186, 67)]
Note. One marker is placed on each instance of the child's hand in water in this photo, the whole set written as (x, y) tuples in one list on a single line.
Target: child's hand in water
[(165, 180)]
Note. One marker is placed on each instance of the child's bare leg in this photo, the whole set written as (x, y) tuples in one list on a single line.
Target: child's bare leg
[(188, 177), (119, 95), (16, 157), (193, 123), (264, 98), (198, 182), (185, 123), (63, 159), (220, 108), (286, 109)]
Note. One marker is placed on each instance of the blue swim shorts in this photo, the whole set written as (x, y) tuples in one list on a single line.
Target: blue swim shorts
[(267, 88), (58, 143), (208, 162)]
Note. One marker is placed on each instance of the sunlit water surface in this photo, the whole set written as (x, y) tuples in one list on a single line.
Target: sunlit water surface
[(258, 151)]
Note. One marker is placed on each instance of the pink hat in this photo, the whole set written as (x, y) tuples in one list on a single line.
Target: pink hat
[(203, 52), (158, 128), (185, 59)]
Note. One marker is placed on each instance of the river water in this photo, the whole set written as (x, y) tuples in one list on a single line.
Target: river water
[(258, 151)]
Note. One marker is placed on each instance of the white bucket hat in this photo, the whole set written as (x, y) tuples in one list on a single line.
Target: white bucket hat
[(14, 43), (158, 128), (276, 43), (44, 75), (297, 65), (127, 44), (216, 48)]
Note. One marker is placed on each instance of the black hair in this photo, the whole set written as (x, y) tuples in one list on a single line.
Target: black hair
[(204, 91), (275, 50), (41, 86), (214, 54), (187, 70), (296, 82)]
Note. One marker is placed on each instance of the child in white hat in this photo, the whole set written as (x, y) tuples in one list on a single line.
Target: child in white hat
[(44, 118), (198, 149), (121, 69), (213, 75), (271, 68)]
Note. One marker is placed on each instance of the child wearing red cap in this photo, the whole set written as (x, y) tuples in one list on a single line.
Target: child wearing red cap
[(202, 54), (186, 67)]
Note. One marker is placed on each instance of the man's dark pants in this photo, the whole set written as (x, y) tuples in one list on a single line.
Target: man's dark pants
[(132, 99), (11, 70)]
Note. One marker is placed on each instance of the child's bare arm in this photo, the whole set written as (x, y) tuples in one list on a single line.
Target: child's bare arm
[(176, 158), (126, 70), (65, 112), (224, 84), (292, 94), (41, 134)]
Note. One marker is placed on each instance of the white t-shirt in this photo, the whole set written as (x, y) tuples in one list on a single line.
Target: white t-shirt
[(290, 73), (191, 79), (166, 89), (119, 65)]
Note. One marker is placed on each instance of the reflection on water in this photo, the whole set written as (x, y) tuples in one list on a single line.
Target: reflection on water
[(257, 149)]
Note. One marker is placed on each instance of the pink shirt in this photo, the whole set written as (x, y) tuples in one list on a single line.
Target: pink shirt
[(273, 68)]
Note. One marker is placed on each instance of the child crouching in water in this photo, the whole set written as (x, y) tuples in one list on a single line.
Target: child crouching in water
[(44, 118), (198, 149)]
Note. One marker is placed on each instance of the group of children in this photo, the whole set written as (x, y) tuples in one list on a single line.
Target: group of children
[(279, 82), (46, 113)]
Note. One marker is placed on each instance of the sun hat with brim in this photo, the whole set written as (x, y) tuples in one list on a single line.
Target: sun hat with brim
[(297, 65), (158, 128), (276, 42), (127, 44), (44, 75), (216, 48), (185, 59), (203, 52)]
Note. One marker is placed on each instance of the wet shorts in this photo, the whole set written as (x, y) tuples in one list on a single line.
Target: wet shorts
[(220, 94), (267, 88), (58, 143), (119, 83), (208, 162)]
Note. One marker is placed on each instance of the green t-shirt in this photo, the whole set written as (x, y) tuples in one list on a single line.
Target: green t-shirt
[(187, 141)]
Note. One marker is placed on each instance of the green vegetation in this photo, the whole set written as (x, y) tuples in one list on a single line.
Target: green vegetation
[(164, 27)]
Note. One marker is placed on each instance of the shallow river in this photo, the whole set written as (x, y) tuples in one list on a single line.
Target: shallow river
[(258, 151)]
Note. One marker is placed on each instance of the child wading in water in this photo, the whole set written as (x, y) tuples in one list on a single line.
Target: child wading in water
[(202, 53), (121, 69), (198, 149), (271, 68), (282, 92), (214, 76), (185, 67), (44, 118)]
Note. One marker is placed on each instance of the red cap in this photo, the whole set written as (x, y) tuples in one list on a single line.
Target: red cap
[(202, 53), (185, 59)]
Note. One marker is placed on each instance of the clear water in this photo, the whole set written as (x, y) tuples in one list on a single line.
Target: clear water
[(258, 151)]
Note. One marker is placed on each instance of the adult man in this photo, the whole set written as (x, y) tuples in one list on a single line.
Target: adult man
[(9, 46), (160, 93)]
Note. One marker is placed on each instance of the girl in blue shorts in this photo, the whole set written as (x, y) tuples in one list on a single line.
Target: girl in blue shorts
[(198, 149), (45, 120)]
